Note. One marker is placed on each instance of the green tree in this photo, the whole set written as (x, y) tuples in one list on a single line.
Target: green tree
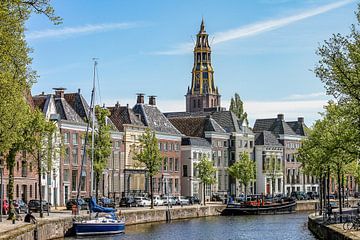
[(102, 145), (237, 107), (243, 170), (16, 77), (205, 172), (39, 145), (148, 156)]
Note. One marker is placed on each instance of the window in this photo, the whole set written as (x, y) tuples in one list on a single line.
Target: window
[(23, 169), (75, 139), (66, 175), (165, 147), (74, 180), (165, 164), (199, 103), (36, 191), (66, 138), (75, 156), (194, 155), (31, 191), (67, 155), (176, 164), (185, 171), (176, 185), (225, 143), (160, 146), (171, 164), (17, 191), (251, 144), (176, 147), (30, 167), (170, 185), (172, 147), (117, 144), (17, 166), (83, 182)]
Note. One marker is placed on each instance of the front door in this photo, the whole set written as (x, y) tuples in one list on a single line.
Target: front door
[(267, 188), (24, 193), (66, 193)]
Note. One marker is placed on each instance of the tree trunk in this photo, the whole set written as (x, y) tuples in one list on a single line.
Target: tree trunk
[(272, 187), (245, 185), (204, 193), (328, 188), (10, 162), (324, 192), (321, 189), (40, 184), (151, 193), (339, 191), (343, 189)]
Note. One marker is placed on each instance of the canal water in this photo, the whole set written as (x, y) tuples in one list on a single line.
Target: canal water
[(288, 226)]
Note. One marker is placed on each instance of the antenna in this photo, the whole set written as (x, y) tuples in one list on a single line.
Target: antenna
[(212, 40)]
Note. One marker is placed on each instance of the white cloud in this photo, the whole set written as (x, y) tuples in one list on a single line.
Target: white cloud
[(259, 27), (305, 96), (71, 31)]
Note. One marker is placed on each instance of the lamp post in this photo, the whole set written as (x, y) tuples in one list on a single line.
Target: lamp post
[(1, 190)]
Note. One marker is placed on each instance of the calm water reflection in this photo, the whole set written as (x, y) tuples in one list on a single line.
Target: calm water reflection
[(289, 226)]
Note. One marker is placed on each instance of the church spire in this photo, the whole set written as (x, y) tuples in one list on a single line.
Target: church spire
[(202, 83)]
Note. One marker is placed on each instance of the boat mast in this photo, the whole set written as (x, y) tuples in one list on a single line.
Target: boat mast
[(93, 131)]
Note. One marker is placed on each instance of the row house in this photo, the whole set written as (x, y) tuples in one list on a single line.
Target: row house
[(25, 173), (192, 150), (169, 138), (289, 135), (131, 127), (241, 140), (269, 163), (212, 134)]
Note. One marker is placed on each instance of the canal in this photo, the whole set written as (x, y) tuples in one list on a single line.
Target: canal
[(288, 226)]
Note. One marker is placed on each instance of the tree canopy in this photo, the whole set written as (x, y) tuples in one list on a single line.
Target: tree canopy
[(237, 107)]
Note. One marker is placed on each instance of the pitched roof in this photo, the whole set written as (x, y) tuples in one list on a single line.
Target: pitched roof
[(298, 127), (121, 115), (39, 101), (78, 103), (274, 125), (66, 111), (195, 141), (196, 126), (230, 122), (266, 138), (154, 119)]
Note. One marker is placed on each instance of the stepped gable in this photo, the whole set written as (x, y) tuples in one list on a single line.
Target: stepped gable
[(299, 127), (195, 141), (121, 115), (266, 138), (154, 119)]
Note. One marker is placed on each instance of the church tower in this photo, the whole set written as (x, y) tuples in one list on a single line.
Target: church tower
[(202, 94)]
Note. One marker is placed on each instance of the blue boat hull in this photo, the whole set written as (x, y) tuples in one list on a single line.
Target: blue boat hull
[(84, 228)]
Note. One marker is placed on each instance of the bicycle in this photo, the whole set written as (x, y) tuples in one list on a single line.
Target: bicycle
[(354, 224)]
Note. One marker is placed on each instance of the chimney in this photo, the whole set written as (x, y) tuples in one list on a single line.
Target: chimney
[(59, 92), (117, 104), (42, 93), (79, 90), (301, 119), (280, 117), (140, 98), (152, 100)]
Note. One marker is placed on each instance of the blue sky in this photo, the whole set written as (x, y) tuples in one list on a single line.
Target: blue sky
[(264, 50)]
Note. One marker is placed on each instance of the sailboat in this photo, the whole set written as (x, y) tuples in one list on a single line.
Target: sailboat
[(110, 222)]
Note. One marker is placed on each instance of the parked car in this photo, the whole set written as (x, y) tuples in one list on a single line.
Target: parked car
[(169, 200), (193, 200), (128, 202), (356, 194), (5, 205), (278, 197), (20, 206), (180, 200), (158, 201), (81, 202), (299, 195), (142, 201), (216, 197), (106, 202), (34, 205), (331, 196), (312, 195)]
